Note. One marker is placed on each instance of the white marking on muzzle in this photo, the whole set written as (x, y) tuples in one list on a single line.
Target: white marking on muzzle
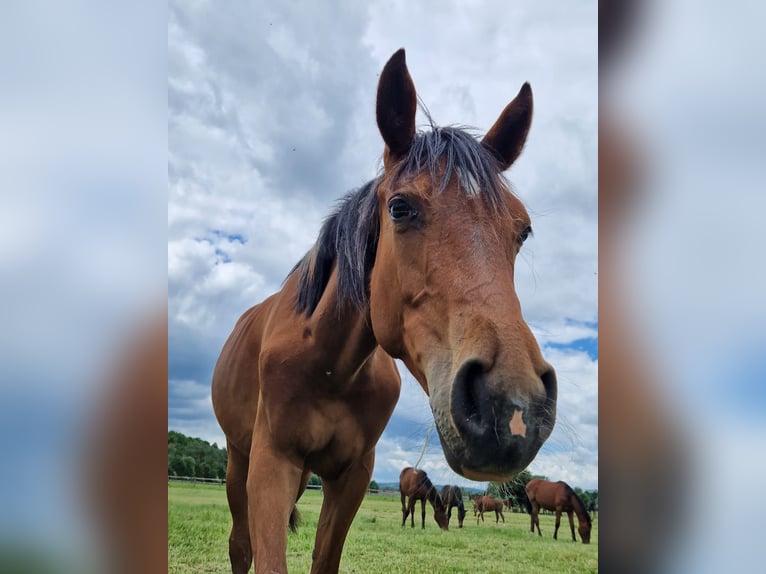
[(517, 425)]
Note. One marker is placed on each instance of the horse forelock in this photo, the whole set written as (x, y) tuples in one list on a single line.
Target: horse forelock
[(454, 152)]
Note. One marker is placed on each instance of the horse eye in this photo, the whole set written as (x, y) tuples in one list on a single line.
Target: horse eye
[(525, 234), (400, 210)]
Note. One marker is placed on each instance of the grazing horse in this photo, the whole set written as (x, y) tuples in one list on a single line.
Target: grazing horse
[(488, 504), (560, 497), (508, 503), (418, 265), (415, 485), (453, 497)]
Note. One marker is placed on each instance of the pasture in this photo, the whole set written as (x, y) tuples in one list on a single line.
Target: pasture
[(199, 523)]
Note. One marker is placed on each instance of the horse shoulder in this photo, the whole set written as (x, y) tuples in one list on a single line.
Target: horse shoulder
[(235, 384)]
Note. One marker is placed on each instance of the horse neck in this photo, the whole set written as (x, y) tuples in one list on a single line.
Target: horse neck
[(341, 334), (579, 508), (433, 496)]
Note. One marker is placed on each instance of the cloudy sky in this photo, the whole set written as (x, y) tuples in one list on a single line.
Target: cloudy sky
[(271, 118)]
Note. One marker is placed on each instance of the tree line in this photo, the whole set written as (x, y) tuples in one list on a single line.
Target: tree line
[(195, 457)]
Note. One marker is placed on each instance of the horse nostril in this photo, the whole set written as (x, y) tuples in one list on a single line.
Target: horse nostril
[(549, 382), (470, 399), (549, 404)]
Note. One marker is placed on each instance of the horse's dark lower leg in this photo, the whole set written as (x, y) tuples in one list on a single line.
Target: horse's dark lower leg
[(558, 523), (422, 512), (404, 510), (571, 526), (240, 553)]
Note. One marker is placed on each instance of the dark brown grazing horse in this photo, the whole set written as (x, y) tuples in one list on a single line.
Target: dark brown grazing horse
[(418, 265), (453, 497), (508, 503), (488, 504), (415, 485), (560, 497)]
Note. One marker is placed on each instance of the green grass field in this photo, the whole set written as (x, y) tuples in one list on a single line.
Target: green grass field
[(199, 522)]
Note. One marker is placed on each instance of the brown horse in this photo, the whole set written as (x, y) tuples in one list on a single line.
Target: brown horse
[(560, 497), (415, 485), (508, 503), (417, 264), (475, 498), (453, 497), (488, 504)]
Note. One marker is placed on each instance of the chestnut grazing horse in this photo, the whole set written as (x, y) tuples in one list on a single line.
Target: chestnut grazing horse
[(488, 504), (418, 265), (560, 497), (415, 485), (453, 497)]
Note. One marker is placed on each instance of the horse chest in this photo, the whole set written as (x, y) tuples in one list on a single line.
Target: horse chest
[(335, 438), (331, 430)]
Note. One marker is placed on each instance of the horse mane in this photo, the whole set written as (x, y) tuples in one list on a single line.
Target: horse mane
[(455, 152), (348, 238), (579, 505), (433, 495)]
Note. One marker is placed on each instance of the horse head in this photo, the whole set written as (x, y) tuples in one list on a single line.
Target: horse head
[(442, 295)]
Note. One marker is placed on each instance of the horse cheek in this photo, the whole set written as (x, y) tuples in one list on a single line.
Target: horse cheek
[(386, 313)]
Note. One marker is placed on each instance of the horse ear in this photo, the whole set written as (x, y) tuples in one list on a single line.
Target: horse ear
[(506, 138), (396, 106)]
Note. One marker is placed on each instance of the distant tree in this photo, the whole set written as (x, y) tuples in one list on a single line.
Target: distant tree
[(584, 495), (593, 494), (314, 480), (374, 486), (513, 489), (183, 465), (207, 461)]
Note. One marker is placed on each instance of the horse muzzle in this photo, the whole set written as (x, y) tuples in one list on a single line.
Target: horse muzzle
[(495, 429)]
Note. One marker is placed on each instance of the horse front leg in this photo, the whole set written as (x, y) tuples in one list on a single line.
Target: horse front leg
[(571, 526), (240, 552), (342, 498), (423, 513), (273, 483), (558, 523)]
